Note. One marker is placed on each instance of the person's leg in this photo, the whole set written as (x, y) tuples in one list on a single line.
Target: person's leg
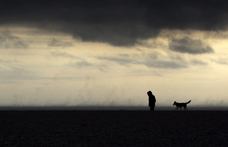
[(151, 108)]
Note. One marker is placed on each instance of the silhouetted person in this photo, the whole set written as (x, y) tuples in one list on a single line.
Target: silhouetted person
[(152, 100)]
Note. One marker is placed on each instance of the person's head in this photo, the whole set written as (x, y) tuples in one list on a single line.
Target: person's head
[(149, 93)]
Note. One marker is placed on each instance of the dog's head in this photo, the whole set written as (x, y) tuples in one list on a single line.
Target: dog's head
[(174, 103)]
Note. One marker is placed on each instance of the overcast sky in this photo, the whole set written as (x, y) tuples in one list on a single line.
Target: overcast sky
[(110, 53)]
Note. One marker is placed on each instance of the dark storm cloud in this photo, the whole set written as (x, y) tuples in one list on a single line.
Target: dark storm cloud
[(117, 22), (152, 45), (188, 45)]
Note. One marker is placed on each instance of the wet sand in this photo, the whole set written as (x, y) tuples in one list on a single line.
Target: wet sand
[(113, 128)]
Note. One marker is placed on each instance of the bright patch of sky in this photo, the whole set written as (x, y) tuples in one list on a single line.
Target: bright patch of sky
[(39, 68)]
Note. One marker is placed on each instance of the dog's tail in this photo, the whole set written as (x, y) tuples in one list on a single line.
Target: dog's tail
[(188, 102)]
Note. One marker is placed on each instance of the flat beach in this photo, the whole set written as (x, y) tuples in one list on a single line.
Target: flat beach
[(113, 128)]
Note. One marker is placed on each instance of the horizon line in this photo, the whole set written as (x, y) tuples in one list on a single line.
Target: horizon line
[(159, 108)]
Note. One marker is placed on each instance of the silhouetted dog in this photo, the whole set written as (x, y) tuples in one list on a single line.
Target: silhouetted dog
[(179, 105)]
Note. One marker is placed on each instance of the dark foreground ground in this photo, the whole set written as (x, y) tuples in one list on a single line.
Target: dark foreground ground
[(113, 128)]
